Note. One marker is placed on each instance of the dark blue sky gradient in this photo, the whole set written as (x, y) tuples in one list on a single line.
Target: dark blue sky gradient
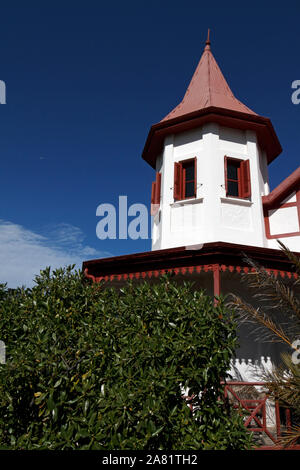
[(86, 80)]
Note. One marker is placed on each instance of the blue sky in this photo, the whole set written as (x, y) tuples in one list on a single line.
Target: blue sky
[(86, 80)]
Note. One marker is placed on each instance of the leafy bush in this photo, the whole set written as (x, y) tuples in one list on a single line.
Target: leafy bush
[(95, 368)]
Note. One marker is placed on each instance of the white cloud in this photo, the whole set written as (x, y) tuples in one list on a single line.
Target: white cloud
[(23, 253)]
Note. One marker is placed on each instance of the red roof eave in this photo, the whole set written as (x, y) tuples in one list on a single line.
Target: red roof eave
[(267, 137), (180, 258)]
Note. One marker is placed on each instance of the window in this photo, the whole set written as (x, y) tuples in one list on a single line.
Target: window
[(185, 179), (155, 194), (237, 177)]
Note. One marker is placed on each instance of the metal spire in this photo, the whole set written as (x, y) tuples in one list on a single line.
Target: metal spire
[(207, 46)]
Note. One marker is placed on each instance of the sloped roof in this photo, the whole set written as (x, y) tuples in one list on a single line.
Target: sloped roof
[(283, 190), (210, 99), (207, 88)]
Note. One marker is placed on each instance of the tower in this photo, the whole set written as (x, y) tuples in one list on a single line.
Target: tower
[(211, 156), (211, 202)]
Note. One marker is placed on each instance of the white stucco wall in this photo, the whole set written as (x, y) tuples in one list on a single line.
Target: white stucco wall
[(211, 216), (285, 221)]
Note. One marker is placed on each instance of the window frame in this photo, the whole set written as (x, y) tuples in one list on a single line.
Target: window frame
[(243, 174), (180, 179), (155, 194)]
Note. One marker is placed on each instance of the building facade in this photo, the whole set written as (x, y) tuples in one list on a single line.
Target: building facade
[(211, 156), (211, 201)]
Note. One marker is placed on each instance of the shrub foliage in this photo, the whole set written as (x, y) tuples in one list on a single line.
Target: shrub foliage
[(90, 367)]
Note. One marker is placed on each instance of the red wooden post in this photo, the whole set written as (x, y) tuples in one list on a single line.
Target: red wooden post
[(277, 414), (288, 419), (217, 282)]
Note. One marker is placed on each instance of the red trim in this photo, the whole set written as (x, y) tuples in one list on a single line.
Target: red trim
[(287, 204), (225, 174), (257, 414), (195, 176), (294, 447), (155, 194), (215, 268), (217, 280), (177, 190), (298, 205), (282, 191), (180, 179), (157, 188), (153, 191), (267, 208), (267, 137), (283, 235), (243, 177), (221, 253), (183, 164), (89, 276)]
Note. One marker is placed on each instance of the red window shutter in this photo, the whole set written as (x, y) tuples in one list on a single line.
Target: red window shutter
[(195, 176), (245, 179), (153, 191), (155, 194), (225, 171), (177, 181), (157, 188)]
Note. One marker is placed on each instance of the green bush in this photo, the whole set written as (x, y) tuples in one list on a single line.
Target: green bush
[(95, 368)]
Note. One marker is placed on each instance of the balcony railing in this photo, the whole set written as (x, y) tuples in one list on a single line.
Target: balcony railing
[(263, 416)]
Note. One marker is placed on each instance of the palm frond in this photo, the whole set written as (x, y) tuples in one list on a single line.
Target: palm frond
[(291, 256), (284, 383), (273, 291), (290, 437), (266, 326), (277, 317)]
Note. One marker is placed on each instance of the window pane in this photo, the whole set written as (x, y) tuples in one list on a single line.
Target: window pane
[(232, 171), (189, 172), (233, 188), (189, 189)]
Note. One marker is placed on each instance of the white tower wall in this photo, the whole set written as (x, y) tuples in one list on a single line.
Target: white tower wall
[(211, 216)]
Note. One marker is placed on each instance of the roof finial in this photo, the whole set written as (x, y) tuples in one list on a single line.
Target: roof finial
[(207, 47)]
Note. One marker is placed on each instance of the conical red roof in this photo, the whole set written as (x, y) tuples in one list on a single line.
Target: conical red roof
[(208, 87), (209, 99)]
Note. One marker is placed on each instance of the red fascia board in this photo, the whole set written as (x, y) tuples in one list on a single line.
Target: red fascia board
[(267, 137), (215, 252), (284, 189)]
